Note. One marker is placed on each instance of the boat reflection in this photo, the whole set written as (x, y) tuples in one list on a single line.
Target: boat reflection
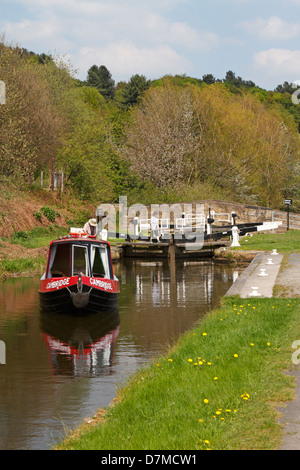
[(81, 346)]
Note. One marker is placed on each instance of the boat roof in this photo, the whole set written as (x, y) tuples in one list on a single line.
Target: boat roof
[(79, 238)]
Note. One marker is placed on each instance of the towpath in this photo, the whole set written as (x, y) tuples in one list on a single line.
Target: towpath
[(276, 275)]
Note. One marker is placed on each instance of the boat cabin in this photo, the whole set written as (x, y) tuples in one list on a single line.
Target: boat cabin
[(87, 257)]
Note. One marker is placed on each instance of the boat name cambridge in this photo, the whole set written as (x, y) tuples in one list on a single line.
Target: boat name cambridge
[(66, 282), (99, 283), (57, 284)]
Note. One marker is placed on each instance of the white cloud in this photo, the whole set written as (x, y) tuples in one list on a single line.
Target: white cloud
[(273, 28), (125, 59), (38, 32), (281, 63), (127, 37)]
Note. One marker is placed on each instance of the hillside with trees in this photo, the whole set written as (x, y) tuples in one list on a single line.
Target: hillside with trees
[(176, 138)]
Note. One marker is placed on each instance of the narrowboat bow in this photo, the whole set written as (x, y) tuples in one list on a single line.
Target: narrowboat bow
[(79, 277)]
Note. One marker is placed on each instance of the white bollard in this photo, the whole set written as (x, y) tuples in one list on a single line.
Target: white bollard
[(104, 234), (274, 252), (270, 261), (235, 236), (263, 273), (254, 292)]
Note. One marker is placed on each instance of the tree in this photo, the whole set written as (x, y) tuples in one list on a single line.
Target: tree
[(100, 78), (83, 155), (30, 123), (137, 85), (209, 79), (237, 82), (285, 88), (160, 141)]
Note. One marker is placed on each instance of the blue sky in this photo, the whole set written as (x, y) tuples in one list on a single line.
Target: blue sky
[(258, 40)]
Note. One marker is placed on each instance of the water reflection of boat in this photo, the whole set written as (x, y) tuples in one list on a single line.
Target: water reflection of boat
[(82, 346), (79, 276)]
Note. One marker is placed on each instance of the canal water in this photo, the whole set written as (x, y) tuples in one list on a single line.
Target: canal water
[(60, 369)]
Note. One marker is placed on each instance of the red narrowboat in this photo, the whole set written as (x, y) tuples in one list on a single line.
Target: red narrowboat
[(79, 277)]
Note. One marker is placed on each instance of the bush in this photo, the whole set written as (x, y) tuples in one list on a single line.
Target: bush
[(20, 235), (49, 213), (38, 215)]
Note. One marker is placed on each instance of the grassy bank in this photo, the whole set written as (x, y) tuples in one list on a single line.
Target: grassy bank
[(215, 389), (282, 242), (21, 266), (25, 253)]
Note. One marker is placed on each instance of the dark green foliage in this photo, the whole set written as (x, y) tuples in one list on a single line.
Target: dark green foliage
[(49, 213), (209, 79), (38, 215), (137, 85), (100, 78), (20, 235), (237, 82), (286, 87)]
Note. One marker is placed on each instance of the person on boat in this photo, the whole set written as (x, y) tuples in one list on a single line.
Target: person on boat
[(154, 226), (91, 227)]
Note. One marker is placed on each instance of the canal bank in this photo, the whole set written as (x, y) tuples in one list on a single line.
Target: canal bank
[(220, 385)]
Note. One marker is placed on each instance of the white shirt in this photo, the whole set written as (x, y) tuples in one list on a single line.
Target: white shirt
[(154, 223)]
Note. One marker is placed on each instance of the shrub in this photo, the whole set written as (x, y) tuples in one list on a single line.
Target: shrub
[(38, 215), (49, 213), (20, 235)]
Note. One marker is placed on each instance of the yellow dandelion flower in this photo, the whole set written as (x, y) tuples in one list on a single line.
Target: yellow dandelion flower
[(218, 412), (204, 334), (206, 400), (236, 355), (190, 360), (200, 420), (170, 360), (268, 344), (206, 442), (251, 344), (216, 378), (245, 396)]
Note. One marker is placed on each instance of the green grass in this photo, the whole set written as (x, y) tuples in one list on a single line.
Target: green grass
[(22, 265), (283, 242), (38, 237), (216, 388)]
